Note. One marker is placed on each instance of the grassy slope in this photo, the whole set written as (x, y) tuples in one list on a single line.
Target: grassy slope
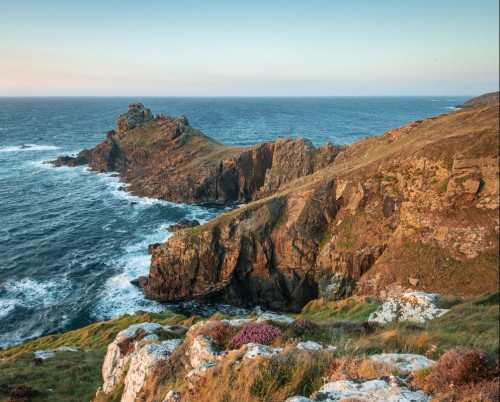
[(75, 376)]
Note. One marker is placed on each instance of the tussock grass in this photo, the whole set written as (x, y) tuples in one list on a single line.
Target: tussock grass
[(290, 373)]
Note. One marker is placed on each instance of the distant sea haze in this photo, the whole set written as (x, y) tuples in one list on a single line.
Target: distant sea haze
[(71, 240)]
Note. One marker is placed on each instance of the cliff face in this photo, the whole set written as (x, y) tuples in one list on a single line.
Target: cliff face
[(166, 158), (417, 205)]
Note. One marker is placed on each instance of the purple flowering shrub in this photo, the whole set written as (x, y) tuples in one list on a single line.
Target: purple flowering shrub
[(264, 334)]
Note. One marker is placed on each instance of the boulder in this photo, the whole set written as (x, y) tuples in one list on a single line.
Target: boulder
[(311, 345), (45, 354), (254, 350), (142, 363), (404, 363), (416, 307), (120, 350), (202, 351), (277, 318), (380, 390)]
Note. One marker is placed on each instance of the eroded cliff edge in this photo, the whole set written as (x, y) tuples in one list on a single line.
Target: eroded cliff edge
[(165, 158), (417, 205)]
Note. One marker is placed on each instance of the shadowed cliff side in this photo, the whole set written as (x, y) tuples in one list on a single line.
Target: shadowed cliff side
[(416, 206), (166, 158)]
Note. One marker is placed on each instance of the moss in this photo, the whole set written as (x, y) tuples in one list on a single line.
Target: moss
[(325, 238), (347, 232), (443, 186)]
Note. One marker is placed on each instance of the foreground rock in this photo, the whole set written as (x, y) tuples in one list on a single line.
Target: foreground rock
[(142, 364), (381, 390), (166, 158), (139, 347), (417, 205), (416, 307)]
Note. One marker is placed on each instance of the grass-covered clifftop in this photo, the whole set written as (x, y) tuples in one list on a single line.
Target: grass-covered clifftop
[(75, 376)]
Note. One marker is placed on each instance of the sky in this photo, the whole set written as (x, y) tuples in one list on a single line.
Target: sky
[(248, 47)]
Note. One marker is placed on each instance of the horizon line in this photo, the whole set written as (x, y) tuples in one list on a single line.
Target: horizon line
[(235, 96)]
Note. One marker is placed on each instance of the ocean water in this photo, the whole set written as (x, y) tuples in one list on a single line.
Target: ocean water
[(70, 241)]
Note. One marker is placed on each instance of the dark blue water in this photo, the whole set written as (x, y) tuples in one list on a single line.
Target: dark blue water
[(70, 241)]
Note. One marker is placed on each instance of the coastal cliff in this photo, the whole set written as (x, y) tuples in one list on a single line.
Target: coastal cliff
[(416, 206), (166, 158)]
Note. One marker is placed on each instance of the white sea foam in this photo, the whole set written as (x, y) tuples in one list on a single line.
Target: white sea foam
[(6, 306), (30, 293), (452, 108), (28, 147)]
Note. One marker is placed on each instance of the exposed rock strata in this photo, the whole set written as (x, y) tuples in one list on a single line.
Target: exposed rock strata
[(419, 203), (166, 158)]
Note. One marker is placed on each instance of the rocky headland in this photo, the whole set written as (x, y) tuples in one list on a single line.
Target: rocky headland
[(415, 206), (488, 99), (164, 157)]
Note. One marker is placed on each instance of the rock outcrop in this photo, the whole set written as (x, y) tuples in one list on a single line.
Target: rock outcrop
[(166, 158), (418, 205), (380, 390), (492, 98), (410, 306), (135, 116), (138, 348)]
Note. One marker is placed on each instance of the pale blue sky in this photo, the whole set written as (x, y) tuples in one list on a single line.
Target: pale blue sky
[(249, 47)]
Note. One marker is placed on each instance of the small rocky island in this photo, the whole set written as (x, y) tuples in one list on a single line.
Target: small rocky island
[(416, 206)]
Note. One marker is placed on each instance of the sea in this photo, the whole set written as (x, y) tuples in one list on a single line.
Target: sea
[(71, 241)]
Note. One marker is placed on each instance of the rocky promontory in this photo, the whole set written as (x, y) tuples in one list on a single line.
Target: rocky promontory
[(164, 157), (488, 99)]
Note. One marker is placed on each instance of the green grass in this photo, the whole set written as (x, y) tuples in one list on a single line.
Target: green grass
[(94, 336), (69, 376), (347, 232), (325, 238), (75, 376)]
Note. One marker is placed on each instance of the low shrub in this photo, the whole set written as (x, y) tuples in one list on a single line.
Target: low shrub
[(264, 334), (22, 392), (221, 332), (461, 367), (127, 345), (301, 327)]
